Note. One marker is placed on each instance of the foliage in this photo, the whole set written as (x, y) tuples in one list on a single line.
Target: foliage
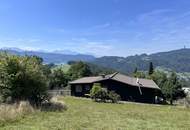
[(95, 69), (151, 69), (172, 88), (58, 79), (135, 71), (22, 78), (114, 97), (139, 74), (160, 78), (98, 70), (79, 70), (98, 93), (53, 105), (170, 85)]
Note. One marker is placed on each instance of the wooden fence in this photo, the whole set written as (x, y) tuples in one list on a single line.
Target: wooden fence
[(60, 92)]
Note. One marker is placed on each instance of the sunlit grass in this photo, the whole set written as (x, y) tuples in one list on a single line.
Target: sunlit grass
[(85, 114)]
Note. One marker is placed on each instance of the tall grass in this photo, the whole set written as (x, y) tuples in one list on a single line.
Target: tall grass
[(11, 112)]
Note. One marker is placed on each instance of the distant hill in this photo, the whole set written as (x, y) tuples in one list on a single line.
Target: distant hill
[(177, 60), (51, 57)]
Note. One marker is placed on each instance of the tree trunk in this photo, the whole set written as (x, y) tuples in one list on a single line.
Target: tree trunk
[(171, 102)]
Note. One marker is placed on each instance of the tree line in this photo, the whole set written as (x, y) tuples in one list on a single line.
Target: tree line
[(27, 78), (170, 84)]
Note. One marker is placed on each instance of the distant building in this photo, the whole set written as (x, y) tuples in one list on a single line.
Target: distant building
[(129, 88)]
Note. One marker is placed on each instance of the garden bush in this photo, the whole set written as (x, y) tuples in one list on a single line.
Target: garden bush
[(100, 94), (113, 96)]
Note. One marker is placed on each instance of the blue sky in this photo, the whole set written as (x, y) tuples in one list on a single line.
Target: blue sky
[(100, 27)]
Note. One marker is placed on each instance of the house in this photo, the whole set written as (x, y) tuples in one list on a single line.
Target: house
[(129, 88)]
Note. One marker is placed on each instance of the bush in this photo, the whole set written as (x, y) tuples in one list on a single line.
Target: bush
[(53, 105), (22, 78), (97, 93), (114, 97), (100, 94)]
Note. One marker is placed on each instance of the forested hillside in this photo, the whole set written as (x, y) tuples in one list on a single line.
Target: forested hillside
[(177, 60)]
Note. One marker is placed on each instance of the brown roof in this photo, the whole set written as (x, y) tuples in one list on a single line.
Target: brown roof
[(120, 78), (86, 80)]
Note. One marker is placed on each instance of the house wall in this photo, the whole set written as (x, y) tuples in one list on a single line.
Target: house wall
[(85, 89), (127, 92), (130, 93)]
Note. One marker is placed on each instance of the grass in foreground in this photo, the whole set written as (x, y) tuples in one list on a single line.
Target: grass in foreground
[(84, 114)]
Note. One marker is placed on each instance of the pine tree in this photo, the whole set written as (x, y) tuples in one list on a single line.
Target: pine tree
[(151, 69), (135, 71)]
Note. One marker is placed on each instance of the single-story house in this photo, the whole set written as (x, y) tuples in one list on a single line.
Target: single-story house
[(129, 88)]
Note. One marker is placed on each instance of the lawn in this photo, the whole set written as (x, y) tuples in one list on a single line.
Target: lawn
[(83, 114)]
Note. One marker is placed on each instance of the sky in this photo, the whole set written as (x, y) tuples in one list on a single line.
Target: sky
[(98, 27)]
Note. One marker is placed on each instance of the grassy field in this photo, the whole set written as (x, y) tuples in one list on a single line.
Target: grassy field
[(84, 114)]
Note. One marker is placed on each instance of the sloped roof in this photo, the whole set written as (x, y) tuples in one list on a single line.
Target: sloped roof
[(86, 80), (120, 78), (133, 81)]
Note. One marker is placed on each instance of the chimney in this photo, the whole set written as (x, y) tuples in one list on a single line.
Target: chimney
[(103, 75)]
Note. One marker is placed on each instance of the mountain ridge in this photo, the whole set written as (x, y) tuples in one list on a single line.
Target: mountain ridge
[(176, 60), (50, 57)]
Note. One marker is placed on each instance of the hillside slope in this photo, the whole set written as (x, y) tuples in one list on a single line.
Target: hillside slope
[(177, 60)]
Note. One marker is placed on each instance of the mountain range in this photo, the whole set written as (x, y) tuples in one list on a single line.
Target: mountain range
[(57, 57), (176, 60)]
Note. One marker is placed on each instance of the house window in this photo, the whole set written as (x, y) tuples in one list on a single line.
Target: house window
[(87, 87), (78, 88)]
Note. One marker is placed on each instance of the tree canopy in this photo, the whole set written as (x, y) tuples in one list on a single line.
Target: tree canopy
[(22, 78), (170, 84), (78, 70), (58, 79)]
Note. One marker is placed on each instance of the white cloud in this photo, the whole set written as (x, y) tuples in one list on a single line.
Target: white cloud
[(161, 27)]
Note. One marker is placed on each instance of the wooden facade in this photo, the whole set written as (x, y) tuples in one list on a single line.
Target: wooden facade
[(127, 92)]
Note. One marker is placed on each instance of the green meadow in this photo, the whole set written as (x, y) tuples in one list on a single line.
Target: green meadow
[(84, 114)]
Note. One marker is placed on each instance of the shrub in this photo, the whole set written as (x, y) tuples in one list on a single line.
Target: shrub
[(22, 78), (114, 97), (97, 93), (53, 105), (100, 94)]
